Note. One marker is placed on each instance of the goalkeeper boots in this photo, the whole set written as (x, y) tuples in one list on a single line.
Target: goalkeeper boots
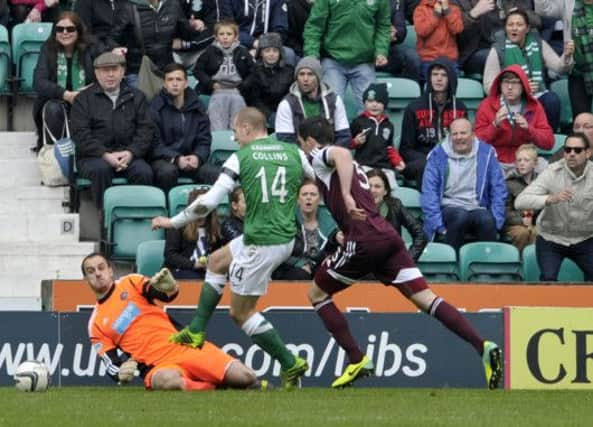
[(354, 371), (291, 378), (492, 359), (189, 338)]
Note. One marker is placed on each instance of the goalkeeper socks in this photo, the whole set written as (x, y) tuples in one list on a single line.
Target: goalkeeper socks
[(209, 298), (263, 334), (190, 385), (336, 324), (456, 322)]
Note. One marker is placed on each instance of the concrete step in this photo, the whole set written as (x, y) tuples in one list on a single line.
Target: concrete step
[(32, 200), (44, 260), (20, 303), (19, 172), (17, 145), (40, 228)]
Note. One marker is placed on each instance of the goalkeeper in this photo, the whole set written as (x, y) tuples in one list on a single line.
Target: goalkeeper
[(126, 320)]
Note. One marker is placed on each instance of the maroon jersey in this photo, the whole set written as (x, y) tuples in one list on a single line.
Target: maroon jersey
[(374, 227)]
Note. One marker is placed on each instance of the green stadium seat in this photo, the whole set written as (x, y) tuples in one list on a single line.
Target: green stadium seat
[(223, 145), (489, 262), (410, 40), (410, 198), (560, 88), (178, 195), (5, 64), (27, 39), (438, 263), (471, 93), (127, 214), (150, 257), (558, 144), (401, 91), (569, 271)]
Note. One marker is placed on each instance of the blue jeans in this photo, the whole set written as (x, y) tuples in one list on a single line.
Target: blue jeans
[(550, 256), (337, 76), (459, 221), (132, 80), (403, 62)]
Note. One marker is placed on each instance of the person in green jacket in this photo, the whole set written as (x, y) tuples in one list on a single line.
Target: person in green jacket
[(350, 37)]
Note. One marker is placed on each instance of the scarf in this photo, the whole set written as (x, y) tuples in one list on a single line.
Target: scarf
[(529, 58), (582, 34), (77, 72)]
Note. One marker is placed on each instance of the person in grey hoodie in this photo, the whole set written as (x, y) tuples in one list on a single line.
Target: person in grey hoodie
[(463, 188), (221, 71)]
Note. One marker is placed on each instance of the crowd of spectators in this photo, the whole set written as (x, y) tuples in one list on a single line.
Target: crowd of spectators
[(295, 59)]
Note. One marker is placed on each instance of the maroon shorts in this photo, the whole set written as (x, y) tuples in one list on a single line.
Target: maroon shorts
[(387, 259)]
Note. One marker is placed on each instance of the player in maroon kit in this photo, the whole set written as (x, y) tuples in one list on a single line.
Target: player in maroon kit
[(371, 245)]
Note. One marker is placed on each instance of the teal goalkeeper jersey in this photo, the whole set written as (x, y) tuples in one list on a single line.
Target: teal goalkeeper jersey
[(270, 172)]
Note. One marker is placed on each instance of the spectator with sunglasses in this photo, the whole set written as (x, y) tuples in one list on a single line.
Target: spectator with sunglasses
[(65, 66), (565, 226)]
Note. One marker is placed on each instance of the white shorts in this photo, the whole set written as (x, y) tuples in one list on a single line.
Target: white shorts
[(252, 265)]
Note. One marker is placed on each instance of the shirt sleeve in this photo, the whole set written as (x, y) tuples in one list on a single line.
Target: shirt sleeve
[(308, 171)]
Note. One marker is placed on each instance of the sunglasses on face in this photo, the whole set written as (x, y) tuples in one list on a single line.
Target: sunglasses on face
[(68, 29), (576, 150)]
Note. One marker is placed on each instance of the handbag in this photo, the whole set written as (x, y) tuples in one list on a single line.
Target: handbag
[(55, 158), (150, 78)]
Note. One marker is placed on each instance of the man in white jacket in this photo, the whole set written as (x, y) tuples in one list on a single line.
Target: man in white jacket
[(565, 226)]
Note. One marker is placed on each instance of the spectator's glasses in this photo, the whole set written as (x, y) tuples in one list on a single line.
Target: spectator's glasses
[(576, 150), (68, 29)]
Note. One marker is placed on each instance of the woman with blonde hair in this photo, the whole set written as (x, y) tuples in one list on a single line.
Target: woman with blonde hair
[(520, 224)]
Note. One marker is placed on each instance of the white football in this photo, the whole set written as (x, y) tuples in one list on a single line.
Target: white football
[(31, 376)]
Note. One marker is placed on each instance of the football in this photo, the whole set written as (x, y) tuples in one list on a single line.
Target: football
[(32, 376)]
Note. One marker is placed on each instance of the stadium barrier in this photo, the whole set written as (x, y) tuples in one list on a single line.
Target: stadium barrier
[(409, 350), (70, 295)]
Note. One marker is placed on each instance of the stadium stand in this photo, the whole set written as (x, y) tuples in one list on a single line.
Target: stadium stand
[(489, 262), (27, 39), (438, 263), (569, 271), (150, 257), (223, 145), (127, 213), (177, 197)]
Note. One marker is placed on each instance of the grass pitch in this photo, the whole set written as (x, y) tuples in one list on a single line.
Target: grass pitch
[(133, 406)]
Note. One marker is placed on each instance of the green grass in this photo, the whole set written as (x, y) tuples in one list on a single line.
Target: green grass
[(133, 406)]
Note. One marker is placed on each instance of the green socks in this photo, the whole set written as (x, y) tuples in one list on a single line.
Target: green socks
[(209, 299)]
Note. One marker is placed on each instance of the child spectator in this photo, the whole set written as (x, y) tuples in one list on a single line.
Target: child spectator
[(220, 71), (187, 249), (437, 24), (271, 78), (520, 223), (373, 140)]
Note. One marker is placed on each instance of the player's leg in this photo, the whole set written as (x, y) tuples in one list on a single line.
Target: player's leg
[(173, 379), (399, 270), (453, 320), (330, 279), (249, 274), (194, 334)]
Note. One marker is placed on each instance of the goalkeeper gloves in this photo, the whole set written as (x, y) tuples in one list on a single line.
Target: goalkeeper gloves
[(127, 371), (164, 281)]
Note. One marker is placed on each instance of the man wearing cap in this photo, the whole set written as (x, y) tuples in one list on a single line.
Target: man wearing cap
[(310, 97), (111, 129)]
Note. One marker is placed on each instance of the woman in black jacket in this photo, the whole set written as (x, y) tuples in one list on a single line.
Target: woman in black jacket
[(64, 68), (392, 209), (187, 249)]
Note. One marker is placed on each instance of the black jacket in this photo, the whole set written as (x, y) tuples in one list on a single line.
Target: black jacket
[(230, 228), (207, 11), (178, 250), (210, 61), (266, 86), (298, 13), (398, 216), (180, 132), (98, 16), (158, 29), (424, 125), (373, 152), (98, 128), (45, 77)]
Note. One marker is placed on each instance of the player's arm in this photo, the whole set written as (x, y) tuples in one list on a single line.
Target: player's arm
[(341, 159), (204, 203), (119, 369), (162, 286), (308, 171)]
